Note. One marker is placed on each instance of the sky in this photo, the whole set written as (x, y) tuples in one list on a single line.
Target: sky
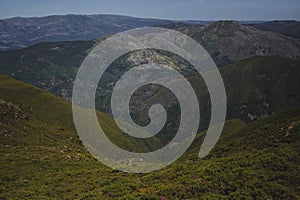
[(166, 9)]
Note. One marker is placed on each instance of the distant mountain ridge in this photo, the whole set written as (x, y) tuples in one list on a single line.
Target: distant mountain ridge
[(19, 32), (230, 41), (287, 27)]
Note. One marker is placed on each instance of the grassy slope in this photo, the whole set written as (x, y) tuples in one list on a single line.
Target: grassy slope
[(39, 160), (56, 111), (262, 85), (257, 86), (42, 105)]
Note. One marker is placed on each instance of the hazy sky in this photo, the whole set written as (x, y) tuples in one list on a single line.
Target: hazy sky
[(168, 9)]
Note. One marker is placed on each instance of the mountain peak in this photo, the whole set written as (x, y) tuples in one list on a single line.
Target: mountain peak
[(223, 23), (224, 27)]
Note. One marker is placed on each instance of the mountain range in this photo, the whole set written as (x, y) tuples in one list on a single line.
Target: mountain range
[(20, 32), (42, 157), (287, 27), (238, 50)]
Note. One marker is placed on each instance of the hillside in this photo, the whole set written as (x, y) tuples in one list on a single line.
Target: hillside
[(226, 41), (230, 41), (269, 83), (261, 86), (255, 87), (266, 84), (53, 66), (21, 32), (42, 158), (55, 111), (287, 27)]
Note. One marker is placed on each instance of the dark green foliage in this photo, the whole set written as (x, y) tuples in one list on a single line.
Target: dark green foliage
[(42, 158)]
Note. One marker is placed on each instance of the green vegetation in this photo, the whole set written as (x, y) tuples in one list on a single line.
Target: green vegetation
[(272, 81), (56, 111), (257, 156), (42, 157)]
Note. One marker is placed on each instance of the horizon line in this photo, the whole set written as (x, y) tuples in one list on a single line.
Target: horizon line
[(156, 18)]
